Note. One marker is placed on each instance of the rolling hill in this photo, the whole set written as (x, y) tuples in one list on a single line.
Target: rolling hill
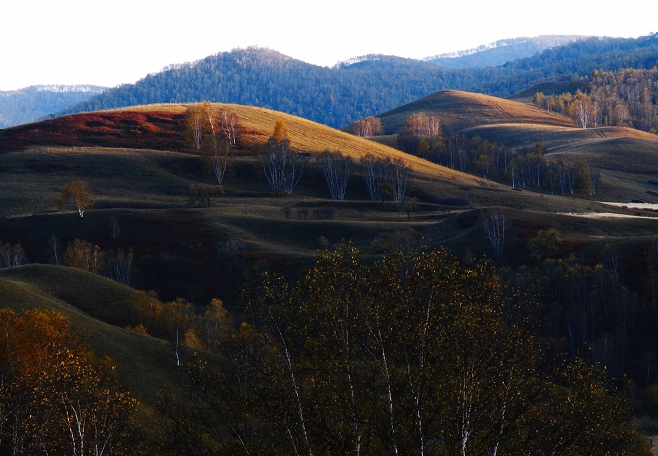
[(461, 110), (625, 155), (140, 165), (350, 91), (145, 365)]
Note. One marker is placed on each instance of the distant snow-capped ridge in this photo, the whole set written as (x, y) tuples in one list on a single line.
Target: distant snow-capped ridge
[(483, 47), (539, 42), (367, 58), (58, 88), (358, 59)]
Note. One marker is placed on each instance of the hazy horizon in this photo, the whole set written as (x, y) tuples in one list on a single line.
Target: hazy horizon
[(70, 42)]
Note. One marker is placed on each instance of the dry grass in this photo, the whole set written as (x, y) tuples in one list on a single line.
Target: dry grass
[(183, 250), (556, 138), (462, 110), (315, 138)]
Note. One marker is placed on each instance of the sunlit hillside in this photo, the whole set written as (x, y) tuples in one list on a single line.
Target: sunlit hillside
[(461, 110)]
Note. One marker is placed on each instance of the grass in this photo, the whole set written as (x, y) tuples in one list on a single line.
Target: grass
[(461, 110), (96, 296), (144, 364), (137, 162)]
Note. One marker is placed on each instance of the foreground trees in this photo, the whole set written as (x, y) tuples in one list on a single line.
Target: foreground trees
[(410, 355), (55, 398)]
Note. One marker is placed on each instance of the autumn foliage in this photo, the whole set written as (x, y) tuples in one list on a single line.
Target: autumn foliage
[(55, 397), (412, 354), (76, 195)]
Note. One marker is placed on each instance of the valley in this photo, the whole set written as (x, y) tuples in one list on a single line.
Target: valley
[(193, 241)]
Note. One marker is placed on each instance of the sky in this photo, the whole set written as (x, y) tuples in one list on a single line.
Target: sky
[(108, 43)]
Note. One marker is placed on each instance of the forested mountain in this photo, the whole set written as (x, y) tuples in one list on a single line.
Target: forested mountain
[(502, 51), (577, 59), (36, 102), (266, 78), (340, 95)]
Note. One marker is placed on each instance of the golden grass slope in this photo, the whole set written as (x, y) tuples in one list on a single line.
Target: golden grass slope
[(553, 137), (315, 138), (461, 110)]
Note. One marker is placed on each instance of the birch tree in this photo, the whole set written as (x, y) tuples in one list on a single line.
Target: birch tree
[(276, 310), (334, 314), (76, 195), (409, 354), (119, 265), (177, 317), (370, 126), (494, 226), (282, 166), (229, 124), (336, 168), (54, 397), (376, 174), (583, 112), (399, 173)]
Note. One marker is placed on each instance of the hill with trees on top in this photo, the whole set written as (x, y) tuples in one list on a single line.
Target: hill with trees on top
[(341, 95), (232, 265)]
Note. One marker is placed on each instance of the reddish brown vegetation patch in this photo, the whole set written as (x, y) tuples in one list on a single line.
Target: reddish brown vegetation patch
[(526, 229), (160, 130)]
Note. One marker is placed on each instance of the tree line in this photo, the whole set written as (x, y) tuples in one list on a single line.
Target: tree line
[(520, 168), (340, 96), (625, 98), (214, 137), (410, 354), (413, 352)]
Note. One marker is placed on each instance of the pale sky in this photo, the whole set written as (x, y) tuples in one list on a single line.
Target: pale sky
[(120, 41)]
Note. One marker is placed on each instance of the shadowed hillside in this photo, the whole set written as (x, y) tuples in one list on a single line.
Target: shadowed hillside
[(145, 365)]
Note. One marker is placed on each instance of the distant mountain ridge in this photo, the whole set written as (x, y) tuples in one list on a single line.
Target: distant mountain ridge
[(367, 85), (501, 51), (59, 88), (36, 102), (362, 86)]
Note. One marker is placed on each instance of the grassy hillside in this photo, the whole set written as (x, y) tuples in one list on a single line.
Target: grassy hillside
[(140, 166), (625, 156), (461, 110), (144, 364)]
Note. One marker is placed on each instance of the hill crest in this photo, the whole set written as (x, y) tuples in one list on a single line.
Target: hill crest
[(460, 110)]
